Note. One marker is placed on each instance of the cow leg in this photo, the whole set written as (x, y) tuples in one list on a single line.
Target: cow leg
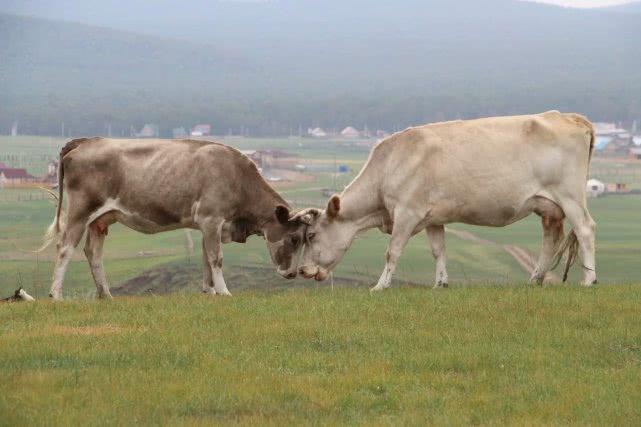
[(70, 239), (436, 237), (214, 251), (208, 279), (93, 252), (403, 229), (584, 227), (552, 236)]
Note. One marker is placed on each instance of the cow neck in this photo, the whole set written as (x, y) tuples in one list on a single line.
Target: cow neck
[(265, 200), (360, 203)]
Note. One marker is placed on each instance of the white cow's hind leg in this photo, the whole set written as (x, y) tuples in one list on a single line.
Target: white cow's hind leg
[(93, 252), (436, 237), (585, 228), (208, 279), (214, 251), (403, 228), (552, 236)]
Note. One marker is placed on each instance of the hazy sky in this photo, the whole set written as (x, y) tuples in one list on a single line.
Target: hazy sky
[(586, 3)]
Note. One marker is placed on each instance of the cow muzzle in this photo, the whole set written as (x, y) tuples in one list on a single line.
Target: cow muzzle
[(288, 274), (313, 272)]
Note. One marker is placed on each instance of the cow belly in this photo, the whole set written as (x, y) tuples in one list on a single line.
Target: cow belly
[(486, 211), (144, 225), (112, 211)]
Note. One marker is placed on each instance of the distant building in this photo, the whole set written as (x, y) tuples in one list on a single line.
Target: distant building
[(150, 130), (14, 176), (350, 132), (179, 133), (601, 142), (52, 172), (616, 187), (201, 130), (610, 129), (595, 188), (317, 132), (381, 134)]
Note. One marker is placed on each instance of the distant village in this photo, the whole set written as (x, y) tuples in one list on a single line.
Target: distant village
[(152, 130), (613, 141)]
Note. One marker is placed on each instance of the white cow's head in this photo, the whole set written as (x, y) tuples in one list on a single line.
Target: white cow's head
[(327, 238)]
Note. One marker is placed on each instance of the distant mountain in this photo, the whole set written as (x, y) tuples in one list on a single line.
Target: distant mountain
[(282, 64), (88, 76)]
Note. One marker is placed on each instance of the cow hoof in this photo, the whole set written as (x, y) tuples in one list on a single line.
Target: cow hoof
[(105, 296), (209, 291), (441, 286), (589, 284), (224, 293), (376, 289), (55, 297)]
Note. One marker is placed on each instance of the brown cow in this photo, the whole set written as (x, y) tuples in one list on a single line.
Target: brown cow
[(159, 185)]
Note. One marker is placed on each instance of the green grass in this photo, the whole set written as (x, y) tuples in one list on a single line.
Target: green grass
[(489, 355), (22, 225)]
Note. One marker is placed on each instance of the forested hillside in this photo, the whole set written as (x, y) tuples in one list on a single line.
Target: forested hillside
[(274, 66)]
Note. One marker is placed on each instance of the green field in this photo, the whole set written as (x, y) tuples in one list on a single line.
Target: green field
[(129, 254), (490, 350), (470, 355)]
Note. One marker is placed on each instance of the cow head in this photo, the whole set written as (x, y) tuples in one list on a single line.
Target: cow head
[(285, 236), (327, 238)]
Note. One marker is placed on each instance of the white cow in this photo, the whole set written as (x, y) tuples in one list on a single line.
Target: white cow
[(490, 172)]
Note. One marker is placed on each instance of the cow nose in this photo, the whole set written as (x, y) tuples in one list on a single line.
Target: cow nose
[(291, 275)]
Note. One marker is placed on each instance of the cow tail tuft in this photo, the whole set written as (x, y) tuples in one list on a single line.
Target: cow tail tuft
[(570, 245)]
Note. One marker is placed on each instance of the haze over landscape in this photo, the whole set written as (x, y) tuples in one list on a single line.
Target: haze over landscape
[(281, 114), (274, 67)]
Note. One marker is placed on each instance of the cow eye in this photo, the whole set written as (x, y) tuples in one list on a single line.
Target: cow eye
[(311, 236), (295, 240)]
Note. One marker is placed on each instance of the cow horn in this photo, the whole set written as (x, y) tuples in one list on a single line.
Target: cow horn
[(306, 216)]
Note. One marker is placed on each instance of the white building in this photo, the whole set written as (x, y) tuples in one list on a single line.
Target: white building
[(595, 188), (350, 132), (317, 132)]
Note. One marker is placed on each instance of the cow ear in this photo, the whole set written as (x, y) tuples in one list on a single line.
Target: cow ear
[(333, 206), (282, 214)]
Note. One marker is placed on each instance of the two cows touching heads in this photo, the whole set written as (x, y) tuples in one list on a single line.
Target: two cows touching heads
[(417, 180)]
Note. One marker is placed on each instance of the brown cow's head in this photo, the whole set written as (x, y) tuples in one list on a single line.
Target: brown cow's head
[(285, 238)]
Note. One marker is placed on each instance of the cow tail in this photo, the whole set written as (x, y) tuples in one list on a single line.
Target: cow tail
[(570, 245), (53, 231)]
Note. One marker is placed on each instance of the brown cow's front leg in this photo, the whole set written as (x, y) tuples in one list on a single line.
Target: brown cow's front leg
[(208, 279), (212, 231)]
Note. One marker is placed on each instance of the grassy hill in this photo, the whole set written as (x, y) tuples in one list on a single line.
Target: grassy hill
[(525, 356)]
